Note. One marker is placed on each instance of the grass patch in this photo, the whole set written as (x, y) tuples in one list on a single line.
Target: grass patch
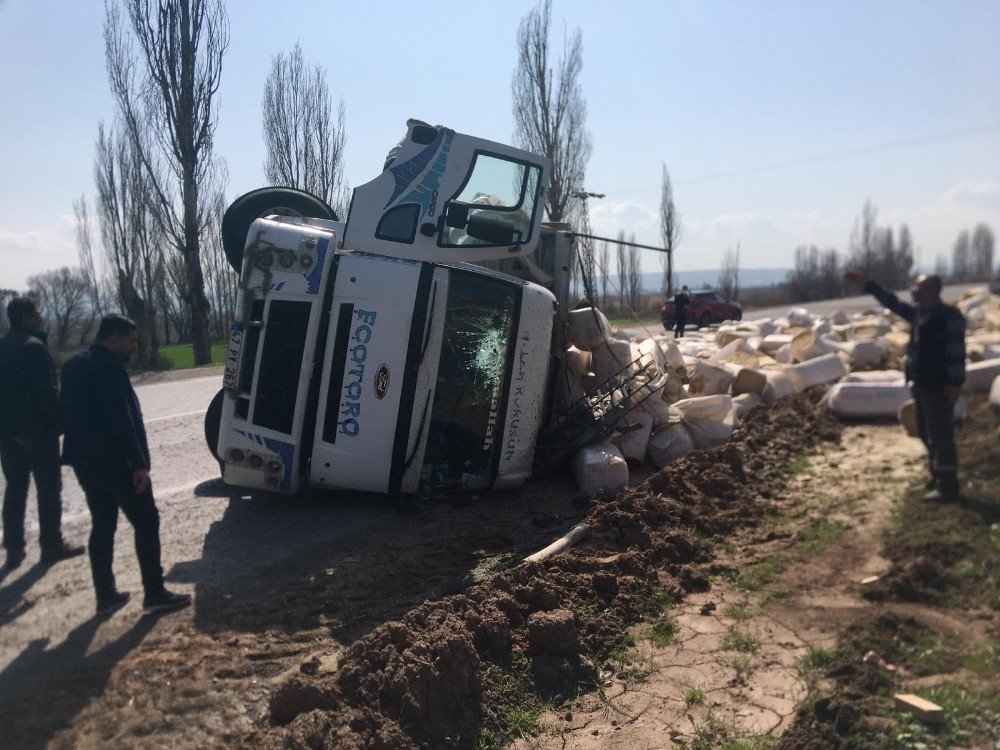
[(801, 465), (512, 708), (740, 640), (970, 715), (817, 537), (181, 356), (694, 697), (713, 734), (738, 612), (663, 631), (760, 574), (816, 659)]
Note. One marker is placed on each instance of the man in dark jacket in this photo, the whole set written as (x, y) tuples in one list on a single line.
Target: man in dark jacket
[(29, 434), (935, 368), (106, 445), (681, 303)]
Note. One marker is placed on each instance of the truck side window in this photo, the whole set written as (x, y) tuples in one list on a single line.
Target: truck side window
[(498, 189), (399, 224)]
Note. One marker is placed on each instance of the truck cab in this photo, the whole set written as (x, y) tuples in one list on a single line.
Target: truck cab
[(372, 354)]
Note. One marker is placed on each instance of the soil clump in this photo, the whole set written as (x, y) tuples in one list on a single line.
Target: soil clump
[(435, 677)]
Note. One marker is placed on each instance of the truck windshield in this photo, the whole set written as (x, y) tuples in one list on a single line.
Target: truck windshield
[(467, 416)]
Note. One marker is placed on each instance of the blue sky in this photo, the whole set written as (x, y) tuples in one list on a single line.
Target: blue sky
[(777, 120)]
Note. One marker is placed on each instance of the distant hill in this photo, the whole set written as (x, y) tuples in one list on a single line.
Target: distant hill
[(749, 277)]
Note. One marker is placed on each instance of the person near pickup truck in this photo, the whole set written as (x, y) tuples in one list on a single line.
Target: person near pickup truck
[(681, 303), (935, 368), (29, 434), (106, 446)]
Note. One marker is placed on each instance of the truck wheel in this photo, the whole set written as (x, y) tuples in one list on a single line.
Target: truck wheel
[(263, 202), (705, 320), (213, 418)]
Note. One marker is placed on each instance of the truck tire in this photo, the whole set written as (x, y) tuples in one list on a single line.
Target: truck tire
[(705, 320), (213, 417), (263, 202)]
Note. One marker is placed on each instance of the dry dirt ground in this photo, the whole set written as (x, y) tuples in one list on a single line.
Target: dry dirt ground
[(718, 603)]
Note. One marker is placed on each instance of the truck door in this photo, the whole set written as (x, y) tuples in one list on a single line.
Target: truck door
[(448, 197)]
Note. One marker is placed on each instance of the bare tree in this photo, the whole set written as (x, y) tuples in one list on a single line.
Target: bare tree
[(303, 135), (133, 239), (166, 98), (816, 275), (981, 252), (6, 295), (89, 266), (670, 230), (604, 260), (634, 274), (941, 266), (63, 296), (873, 249), (222, 281), (550, 112), (622, 257), (961, 258), (729, 276)]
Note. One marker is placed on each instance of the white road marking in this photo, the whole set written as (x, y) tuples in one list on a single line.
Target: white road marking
[(175, 416)]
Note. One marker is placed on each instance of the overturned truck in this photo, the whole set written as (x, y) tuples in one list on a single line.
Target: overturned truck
[(415, 348)]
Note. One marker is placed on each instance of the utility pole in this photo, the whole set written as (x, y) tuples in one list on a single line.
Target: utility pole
[(586, 258)]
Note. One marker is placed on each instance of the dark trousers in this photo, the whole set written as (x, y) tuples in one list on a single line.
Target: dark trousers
[(682, 320), (22, 457), (936, 427), (106, 493)]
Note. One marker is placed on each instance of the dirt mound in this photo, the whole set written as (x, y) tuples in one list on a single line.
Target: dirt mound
[(429, 678)]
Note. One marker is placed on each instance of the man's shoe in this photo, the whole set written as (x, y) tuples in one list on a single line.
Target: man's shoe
[(14, 558), (941, 496), (165, 600), (62, 552), (107, 605)]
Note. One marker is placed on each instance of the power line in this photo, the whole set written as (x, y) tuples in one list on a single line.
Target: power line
[(859, 151)]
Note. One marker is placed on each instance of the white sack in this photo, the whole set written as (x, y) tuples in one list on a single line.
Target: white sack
[(799, 317), (995, 394), (708, 419), (876, 376), (709, 378), (859, 400), (584, 331), (825, 369), (599, 466), (979, 375), (636, 437), (779, 385), (748, 380), (669, 443), (743, 403), (577, 361)]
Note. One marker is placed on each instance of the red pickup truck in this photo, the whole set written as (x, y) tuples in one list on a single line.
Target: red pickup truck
[(706, 307)]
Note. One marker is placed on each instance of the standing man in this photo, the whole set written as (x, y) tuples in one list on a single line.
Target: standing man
[(935, 368), (106, 446), (29, 434), (681, 303)]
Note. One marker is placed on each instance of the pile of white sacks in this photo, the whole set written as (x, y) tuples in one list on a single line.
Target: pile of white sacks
[(704, 383)]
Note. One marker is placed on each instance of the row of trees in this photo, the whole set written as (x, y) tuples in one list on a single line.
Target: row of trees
[(888, 257), (159, 188)]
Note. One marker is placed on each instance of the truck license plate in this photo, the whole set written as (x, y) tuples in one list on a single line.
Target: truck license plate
[(233, 356)]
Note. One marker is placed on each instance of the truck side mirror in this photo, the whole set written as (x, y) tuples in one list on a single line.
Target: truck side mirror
[(456, 215), (492, 231)]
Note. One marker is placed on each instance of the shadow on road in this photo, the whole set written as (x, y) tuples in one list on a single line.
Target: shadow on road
[(12, 602), (26, 684), (349, 562)]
